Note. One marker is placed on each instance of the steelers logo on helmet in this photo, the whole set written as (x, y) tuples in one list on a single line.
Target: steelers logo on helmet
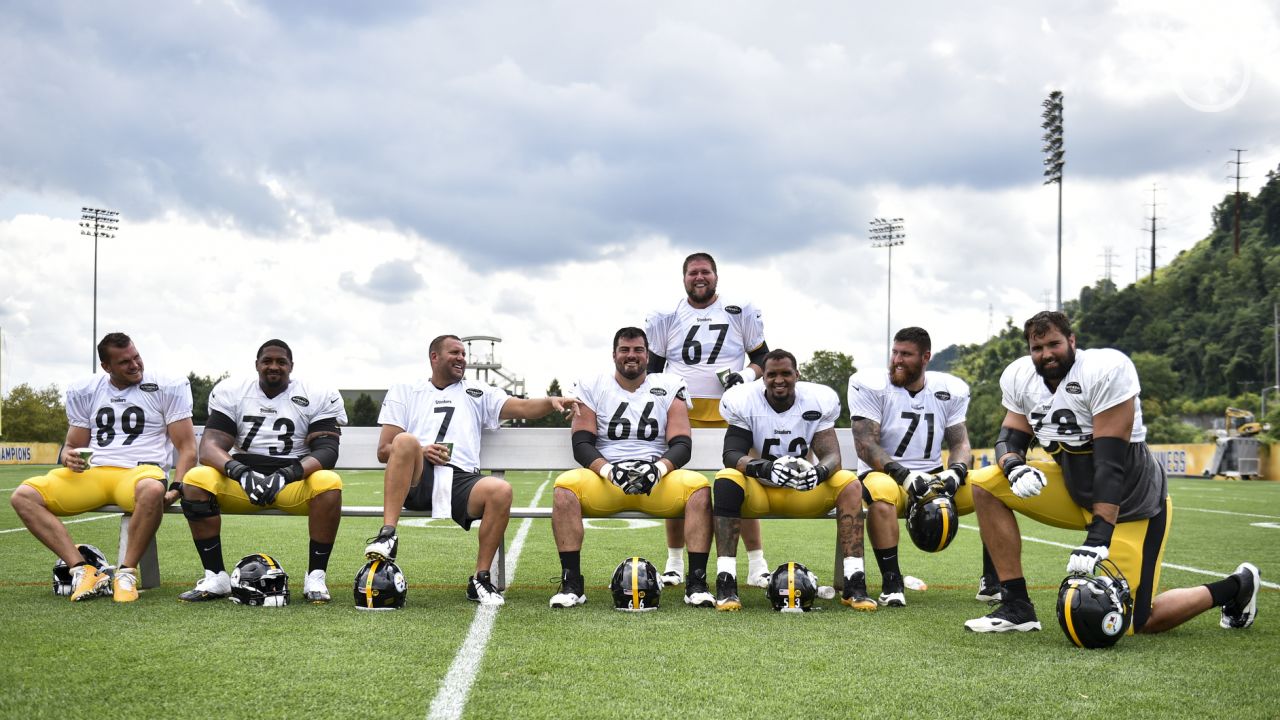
[(635, 586), (62, 574), (932, 521), (792, 588), (1095, 611), (259, 581), (380, 586)]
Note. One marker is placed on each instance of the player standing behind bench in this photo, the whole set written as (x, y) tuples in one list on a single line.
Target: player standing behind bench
[(417, 420), (132, 420), (785, 421), (714, 345), (631, 437), (270, 442), (901, 420)]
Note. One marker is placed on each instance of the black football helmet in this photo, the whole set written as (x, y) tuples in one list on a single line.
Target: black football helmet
[(932, 519), (62, 574), (636, 586), (792, 588), (380, 586), (1095, 611), (260, 581)]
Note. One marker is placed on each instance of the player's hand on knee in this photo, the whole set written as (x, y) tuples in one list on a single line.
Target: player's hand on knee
[(953, 477), (644, 475), (1026, 481), (265, 489), (918, 483)]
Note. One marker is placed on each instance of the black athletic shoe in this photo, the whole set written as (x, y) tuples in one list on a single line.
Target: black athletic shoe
[(855, 593), (480, 589), (1012, 615), (572, 592), (893, 593), (384, 546), (727, 593), (1240, 612), (695, 590)]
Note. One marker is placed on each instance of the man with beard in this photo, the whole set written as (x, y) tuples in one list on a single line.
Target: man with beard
[(631, 437), (901, 419), (775, 427), (431, 433), (271, 441), (714, 345), (1083, 408)]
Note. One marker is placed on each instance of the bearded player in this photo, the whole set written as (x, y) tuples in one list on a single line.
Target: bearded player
[(901, 420), (631, 437), (714, 344), (271, 441), (775, 426)]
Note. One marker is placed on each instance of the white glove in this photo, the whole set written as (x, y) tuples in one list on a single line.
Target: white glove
[(1026, 481), (785, 470), (1084, 558), (917, 483)]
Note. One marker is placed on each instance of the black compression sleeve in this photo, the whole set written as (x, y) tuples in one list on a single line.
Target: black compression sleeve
[(218, 421), (737, 443), (326, 425), (584, 448), (1012, 440), (657, 363), (679, 450), (757, 356), (325, 450), (1108, 469)]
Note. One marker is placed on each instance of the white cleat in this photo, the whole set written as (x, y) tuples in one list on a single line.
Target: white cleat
[(314, 589), (1011, 616), (672, 577), (213, 586), (1240, 612), (572, 593)]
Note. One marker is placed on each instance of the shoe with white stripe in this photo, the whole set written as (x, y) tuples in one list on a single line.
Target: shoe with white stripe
[(314, 588), (1011, 616), (1240, 612), (480, 589), (572, 593)]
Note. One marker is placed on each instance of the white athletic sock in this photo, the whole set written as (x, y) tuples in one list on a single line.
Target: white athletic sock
[(726, 564), (675, 559), (852, 565), (755, 559)]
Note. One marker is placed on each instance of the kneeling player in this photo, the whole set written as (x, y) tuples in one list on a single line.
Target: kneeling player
[(631, 437), (785, 421), (270, 442), (131, 420)]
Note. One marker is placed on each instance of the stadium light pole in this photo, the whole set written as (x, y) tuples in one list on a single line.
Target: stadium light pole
[(887, 234), (97, 223), (1053, 163)]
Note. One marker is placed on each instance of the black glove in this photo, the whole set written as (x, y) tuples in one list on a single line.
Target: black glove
[(620, 474), (265, 490), (644, 475), (953, 477), (760, 470), (242, 474), (292, 472), (896, 471), (732, 379)]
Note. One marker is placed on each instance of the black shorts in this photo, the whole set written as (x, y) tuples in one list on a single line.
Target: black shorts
[(419, 497)]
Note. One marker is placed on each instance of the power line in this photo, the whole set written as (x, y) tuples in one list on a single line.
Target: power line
[(1237, 162), (1152, 229)]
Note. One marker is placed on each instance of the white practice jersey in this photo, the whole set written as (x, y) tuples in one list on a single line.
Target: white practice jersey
[(698, 343), (455, 414), (774, 434), (911, 426), (1100, 379), (631, 425), (129, 427), (277, 426)]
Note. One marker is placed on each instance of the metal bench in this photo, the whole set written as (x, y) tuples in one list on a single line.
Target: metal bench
[(532, 449)]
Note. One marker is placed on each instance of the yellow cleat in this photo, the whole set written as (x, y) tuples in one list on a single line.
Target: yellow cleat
[(87, 582), (728, 605), (125, 586), (862, 604)]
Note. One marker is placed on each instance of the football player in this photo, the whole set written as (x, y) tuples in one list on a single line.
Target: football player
[(436, 423), (901, 419), (1083, 408), (775, 426), (123, 429), (271, 441), (631, 437), (713, 344)]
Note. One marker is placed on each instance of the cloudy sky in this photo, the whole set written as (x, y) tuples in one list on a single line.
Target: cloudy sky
[(358, 178)]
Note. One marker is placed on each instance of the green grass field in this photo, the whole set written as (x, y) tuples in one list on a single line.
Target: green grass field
[(158, 657)]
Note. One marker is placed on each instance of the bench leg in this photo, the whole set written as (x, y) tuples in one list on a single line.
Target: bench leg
[(149, 566), (837, 576), (498, 571)]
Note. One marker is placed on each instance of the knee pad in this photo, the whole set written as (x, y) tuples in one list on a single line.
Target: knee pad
[(727, 498), (200, 509)]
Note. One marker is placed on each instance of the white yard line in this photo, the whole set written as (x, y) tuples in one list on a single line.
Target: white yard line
[(1227, 512), (1198, 571), (68, 522), (451, 699)]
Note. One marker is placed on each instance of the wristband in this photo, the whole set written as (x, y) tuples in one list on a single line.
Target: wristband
[(748, 375), (606, 471)]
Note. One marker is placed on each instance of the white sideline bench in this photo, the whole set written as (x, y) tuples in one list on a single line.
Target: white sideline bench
[(532, 449)]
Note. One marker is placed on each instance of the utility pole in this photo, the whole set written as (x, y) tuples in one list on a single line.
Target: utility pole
[(1154, 217), (1238, 178), (887, 234), (97, 223), (1108, 255), (1054, 162)]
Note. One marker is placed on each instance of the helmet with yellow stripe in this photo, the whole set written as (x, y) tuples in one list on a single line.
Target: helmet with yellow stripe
[(380, 586), (636, 586), (792, 588), (1095, 611), (258, 580), (932, 519)]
